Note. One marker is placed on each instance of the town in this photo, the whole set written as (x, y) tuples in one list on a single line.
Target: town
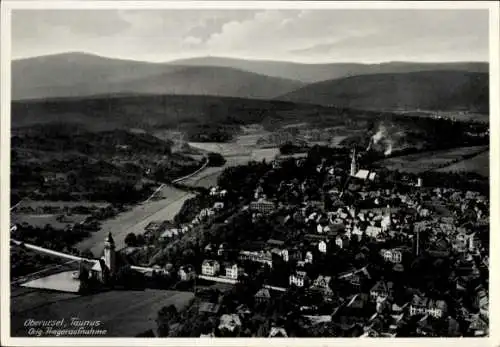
[(314, 245), (257, 171)]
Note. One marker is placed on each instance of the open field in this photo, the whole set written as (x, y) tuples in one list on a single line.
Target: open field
[(61, 281), (479, 164), (208, 177), (224, 148), (122, 313), (431, 160), (136, 219), (41, 220)]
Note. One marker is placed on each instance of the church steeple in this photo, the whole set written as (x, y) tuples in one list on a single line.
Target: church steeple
[(354, 165), (109, 253)]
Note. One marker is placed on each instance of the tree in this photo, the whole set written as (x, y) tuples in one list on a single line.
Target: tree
[(166, 316), (131, 240), (215, 159)]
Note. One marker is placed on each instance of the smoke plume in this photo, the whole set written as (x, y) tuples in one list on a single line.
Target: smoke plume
[(380, 134), (388, 149)]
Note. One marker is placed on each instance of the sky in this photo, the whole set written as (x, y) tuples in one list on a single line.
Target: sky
[(309, 36)]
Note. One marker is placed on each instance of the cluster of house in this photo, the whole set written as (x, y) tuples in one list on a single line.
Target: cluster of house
[(381, 215), (167, 230), (234, 324)]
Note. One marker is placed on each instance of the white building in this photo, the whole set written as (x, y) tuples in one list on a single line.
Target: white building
[(373, 231), (210, 267), (233, 271), (392, 255), (341, 241), (309, 257), (299, 278), (322, 246)]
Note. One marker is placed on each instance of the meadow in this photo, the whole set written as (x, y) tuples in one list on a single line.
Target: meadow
[(431, 160), (479, 164)]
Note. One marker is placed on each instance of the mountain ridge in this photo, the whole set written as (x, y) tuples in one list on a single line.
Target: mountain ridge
[(81, 74), (443, 90)]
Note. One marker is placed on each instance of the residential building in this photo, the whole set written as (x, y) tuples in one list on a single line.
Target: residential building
[(263, 295), (478, 326), (210, 268), (186, 273), (222, 249), (275, 243), (355, 277), (264, 257), (465, 242), (277, 332), (342, 241), (299, 278), (322, 246), (309, 257), (421, 305), (283, 253), (209, 308), (392, 255), (381, 290), (263, 206), (169, 234), (218, 205), (229, 322), (373, 231), (322, 284), (233, 271)]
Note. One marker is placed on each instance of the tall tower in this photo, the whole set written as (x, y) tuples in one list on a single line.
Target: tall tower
[(109, 253), (354, 167), (417, 243)]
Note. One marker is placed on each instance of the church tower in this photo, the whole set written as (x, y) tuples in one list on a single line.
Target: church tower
[(354, 166), (109, 254)]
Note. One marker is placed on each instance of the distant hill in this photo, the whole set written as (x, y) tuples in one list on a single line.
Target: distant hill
[(100, 113), (310, 73), (79, 74), (427, 90)]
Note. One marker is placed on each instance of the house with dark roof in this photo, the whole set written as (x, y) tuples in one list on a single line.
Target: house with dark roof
[(478, 327), (423, 305), (263, 295), (322, 285), (278, 332), (186, 273), (381, 290), (209, 308)]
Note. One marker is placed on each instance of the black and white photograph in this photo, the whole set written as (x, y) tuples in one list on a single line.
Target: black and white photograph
[(254, 171)]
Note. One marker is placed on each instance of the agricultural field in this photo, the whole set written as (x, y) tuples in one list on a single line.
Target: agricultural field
[(432, 160), (54, 220), (135, 219), (224, 148), (122, 313), (208, 177), (479, 164)]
